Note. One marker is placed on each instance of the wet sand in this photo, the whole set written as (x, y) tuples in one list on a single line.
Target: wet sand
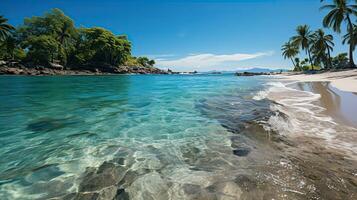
[(340, 105), (318, 122)]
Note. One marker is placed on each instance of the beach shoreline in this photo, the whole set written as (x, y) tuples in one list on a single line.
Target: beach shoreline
[(345, 80), (319, 121), (327, 98)]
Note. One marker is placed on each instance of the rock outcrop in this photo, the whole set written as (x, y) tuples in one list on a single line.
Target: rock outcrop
[(15, 68)]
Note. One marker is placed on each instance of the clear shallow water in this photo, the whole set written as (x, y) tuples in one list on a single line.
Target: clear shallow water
[(148, 137), (53, 128)]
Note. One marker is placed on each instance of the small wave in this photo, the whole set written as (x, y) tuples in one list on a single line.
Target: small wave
[(270, 87), (303, 117)]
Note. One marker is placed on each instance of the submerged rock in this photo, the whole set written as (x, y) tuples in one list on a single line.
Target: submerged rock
[(108, 174), (226, 190), (49, 124), (121, 195), (241, 151), (149, 186), (245, 182), (86, 196)]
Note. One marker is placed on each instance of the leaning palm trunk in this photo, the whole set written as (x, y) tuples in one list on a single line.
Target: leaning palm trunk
[(309, 54), (329, 58), (292, 60), (350, 30)]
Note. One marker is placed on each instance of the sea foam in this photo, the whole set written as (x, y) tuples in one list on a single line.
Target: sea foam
[(297, 114)]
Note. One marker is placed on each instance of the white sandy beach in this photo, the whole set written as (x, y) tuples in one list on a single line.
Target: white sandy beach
[(343, 80), (316, 110)]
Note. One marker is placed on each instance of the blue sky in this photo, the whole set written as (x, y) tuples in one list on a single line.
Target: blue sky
[(194, 34)]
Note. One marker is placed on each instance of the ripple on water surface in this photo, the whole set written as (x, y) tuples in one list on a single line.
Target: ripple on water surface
[(142, 137)]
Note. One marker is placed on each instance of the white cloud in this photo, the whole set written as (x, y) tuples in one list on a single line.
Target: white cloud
[(159, 56), (207, 60)]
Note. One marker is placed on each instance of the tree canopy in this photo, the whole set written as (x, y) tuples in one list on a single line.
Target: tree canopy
[(53, 38), (5, 28)]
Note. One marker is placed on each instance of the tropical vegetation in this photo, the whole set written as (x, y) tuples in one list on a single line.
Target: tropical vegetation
[(5, 28), (54, 39), (318, 45)]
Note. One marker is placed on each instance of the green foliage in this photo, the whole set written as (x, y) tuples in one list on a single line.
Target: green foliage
[(289, 51), (321, 48), (55, 25), (5, 28), (338, 12), (297, 67), (303, 39), (311, 67), (145, 62), (10, 48), (100, 46), (140, 61), (132, 62), (318, 45), (54, 38), (151, 63), (340, 61), (19, 54), (41, 49), (351, 37)]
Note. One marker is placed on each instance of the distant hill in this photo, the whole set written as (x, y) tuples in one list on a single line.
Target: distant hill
[(261, 70), (251, 70)]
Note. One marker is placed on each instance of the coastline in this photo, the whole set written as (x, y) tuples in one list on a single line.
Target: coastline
[(319, 121), (337, 103), (345, 80), (316, 109), (47, 71)]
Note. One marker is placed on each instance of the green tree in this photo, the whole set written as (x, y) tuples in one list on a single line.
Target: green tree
[(41, 49), (298, 65), (5, 28), (340, 11), (66, 35), (303, 39), (54, 24), (289, 51), (322, 47), (10, 50), (145, 62), (351, 37), (98, 45), (340, 61), (151, 63)]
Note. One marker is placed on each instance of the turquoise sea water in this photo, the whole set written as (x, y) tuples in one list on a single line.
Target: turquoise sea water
[(157, 137), (53, 128)]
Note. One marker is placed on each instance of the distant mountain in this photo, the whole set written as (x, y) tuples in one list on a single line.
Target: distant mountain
[(251, 70), (261, 70)]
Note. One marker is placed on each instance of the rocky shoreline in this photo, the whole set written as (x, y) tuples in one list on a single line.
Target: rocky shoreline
[(19, 69)]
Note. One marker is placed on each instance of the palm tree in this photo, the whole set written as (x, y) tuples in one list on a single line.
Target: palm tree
[(289, 51), (9, 44), (322, 45), (5, 28), (341, 11), (348, 38), (303, 39), (63, 36)]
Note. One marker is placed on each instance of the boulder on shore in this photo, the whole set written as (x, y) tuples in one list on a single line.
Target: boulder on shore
[(56, 66)]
